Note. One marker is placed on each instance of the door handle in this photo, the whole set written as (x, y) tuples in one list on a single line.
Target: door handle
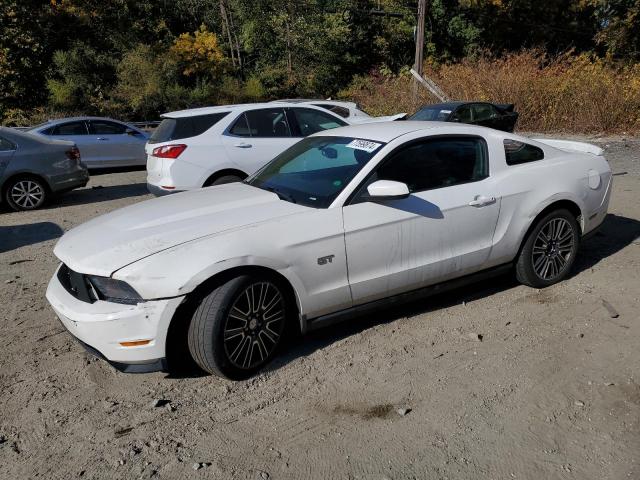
[(243, 145), (481, 201), (102, 138)]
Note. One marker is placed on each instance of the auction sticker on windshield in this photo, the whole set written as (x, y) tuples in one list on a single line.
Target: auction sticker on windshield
[(364, 145)]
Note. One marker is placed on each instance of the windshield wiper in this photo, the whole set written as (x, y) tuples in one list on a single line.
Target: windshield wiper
[(283, 196)]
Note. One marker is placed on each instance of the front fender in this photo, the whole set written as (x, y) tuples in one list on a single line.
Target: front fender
[(167, 274)]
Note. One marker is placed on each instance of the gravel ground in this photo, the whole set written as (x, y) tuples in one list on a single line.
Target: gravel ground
[(493, 381)]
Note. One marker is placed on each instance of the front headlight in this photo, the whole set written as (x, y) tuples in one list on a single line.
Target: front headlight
[(112, 290)]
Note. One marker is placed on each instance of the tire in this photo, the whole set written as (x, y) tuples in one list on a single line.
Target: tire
[(232, 338), (549, 250), (222, 180), (26, 193)]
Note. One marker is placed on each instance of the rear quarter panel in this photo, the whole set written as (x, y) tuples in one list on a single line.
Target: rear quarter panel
[(47, 161), (528, 189)]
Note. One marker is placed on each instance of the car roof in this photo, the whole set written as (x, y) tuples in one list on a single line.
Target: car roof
[(240, 107), (56, 121), (446, 105), (317, 100), (382, 131)]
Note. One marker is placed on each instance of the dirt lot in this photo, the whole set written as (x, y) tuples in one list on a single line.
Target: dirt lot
[(552, 391)]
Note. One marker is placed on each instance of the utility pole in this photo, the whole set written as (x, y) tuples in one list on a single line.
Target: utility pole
[(422, 9)]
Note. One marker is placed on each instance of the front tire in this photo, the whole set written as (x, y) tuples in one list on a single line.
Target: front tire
[(549, 251), (26, 193), (238, 327)]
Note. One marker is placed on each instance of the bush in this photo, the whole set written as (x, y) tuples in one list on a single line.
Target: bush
[(577, 94)]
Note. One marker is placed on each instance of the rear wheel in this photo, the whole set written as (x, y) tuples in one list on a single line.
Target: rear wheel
[(549, 251), (222, 180), (239, 326), (26, 193)]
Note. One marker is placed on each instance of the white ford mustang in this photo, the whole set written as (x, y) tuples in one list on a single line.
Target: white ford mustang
[(343, 221)]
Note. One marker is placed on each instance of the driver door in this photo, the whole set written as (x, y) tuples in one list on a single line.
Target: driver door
[(439, 232)]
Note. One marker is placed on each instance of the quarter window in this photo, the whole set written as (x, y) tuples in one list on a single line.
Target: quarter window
[(482, 112), (312, 121), (337, 109), (517, 152), (437, 163), (71, 128)]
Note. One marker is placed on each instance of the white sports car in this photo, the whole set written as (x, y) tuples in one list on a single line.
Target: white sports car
[(343, 221)]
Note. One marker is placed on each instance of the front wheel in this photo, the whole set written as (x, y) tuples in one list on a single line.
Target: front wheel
[(549, 251), (239, 326), (25, 193)]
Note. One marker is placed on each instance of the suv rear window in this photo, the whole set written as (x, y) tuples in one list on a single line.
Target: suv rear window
[(184, 127)]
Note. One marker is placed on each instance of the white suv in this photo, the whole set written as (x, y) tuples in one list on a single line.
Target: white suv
[(209, 146)]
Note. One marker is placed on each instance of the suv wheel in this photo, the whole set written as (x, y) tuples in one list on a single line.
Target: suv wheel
[(222, 180), (549, 251), (25, 193), (239, 326)]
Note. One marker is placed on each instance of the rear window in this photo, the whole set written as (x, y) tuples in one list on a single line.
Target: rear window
[(519, 152), (184, 127)]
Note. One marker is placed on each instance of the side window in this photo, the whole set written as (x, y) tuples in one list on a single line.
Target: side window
[(6, 145), (71, 128), (483, 111), (337, 109), (241, 127), (437, 163), (103, 127), (464, 113), (519, 152), (312, 121), (268, 122)]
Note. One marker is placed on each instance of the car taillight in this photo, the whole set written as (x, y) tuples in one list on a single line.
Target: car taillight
[(168, 151), (73, 154)]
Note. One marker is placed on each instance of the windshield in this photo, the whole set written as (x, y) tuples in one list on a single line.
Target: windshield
[(315, 170), (431, 114)]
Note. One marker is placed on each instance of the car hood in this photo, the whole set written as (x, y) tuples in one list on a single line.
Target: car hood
[(109, 242)]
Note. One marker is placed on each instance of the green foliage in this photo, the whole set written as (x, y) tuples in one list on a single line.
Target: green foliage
[(138, 58)]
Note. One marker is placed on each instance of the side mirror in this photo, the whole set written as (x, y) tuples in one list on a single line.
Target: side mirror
[(454, 118), (388, 189)]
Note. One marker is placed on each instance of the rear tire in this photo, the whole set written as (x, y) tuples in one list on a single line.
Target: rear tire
[(222, 180), (549, 251), (26, 193), (238, 328)]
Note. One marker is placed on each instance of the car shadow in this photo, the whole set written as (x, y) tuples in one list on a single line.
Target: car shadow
[(615, 234), (96, 172), (16, 236), (99, 193)]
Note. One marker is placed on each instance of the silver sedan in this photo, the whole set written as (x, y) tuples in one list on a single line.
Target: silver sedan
[(103, 142), (32, 168)]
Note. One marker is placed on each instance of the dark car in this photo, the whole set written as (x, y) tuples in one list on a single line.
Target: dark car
[(492, 115), (32, 168)]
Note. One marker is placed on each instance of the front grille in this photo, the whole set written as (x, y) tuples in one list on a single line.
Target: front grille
[(76, 284)]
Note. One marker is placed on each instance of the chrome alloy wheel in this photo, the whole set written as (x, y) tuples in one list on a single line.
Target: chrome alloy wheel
[(254, 325), (552, 249), (27, 194)]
